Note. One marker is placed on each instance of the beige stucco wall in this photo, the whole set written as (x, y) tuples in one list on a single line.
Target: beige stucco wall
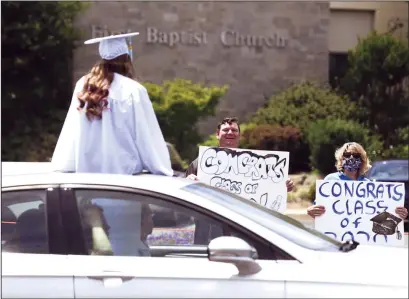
[(386, 14)]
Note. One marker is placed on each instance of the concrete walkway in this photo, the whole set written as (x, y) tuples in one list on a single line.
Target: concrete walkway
[(298, 214)]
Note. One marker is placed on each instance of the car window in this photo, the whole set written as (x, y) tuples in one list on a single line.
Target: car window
[(24, 221), (389, 171), (283, 225), (127, 224)]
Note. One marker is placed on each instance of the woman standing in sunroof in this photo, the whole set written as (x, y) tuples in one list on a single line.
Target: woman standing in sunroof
[(111, 126)]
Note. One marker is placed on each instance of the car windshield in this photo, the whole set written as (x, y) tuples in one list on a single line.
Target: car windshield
[(283, 225), (390, 171)]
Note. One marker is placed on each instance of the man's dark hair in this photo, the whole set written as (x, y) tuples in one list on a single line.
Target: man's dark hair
[(229, 120)]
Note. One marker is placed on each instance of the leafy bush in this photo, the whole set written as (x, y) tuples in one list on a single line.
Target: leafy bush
[(298, 106), (176, 161), (311, 193), (276, 138), (37, 42), (211, 141), (301, 104), (33, 142), (377, 80), (325, 136), (401, 150), (178, 105)]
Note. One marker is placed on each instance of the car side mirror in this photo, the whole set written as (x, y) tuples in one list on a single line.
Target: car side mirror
[(235, 251)]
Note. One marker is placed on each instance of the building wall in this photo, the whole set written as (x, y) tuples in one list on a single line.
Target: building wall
[(288, 42), (386, 14)]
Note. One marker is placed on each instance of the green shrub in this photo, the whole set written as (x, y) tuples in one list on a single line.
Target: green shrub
[(33, 140), (377, 81), (325, 136), (276, 138), (298, 106), (211, 141), (401, 150), (311, 193), (301, 104), (177, 163), (178, 105), (37, 42)]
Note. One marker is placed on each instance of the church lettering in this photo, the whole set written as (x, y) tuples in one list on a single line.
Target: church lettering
[(171, 39)]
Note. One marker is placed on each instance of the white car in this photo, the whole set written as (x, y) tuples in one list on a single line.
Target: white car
[(224, 246)]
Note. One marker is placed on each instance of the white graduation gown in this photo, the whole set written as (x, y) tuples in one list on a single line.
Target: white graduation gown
[(126, 140)]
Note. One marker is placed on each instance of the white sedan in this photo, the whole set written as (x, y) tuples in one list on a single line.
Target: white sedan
[(68, 235)]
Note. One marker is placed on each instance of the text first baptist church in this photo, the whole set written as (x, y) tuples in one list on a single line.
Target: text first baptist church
[(256, 48)]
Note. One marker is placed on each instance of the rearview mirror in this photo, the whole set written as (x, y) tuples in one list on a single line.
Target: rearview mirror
[(235, 251)]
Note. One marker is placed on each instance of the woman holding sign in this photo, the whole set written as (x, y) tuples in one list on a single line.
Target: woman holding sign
[(352, 163)]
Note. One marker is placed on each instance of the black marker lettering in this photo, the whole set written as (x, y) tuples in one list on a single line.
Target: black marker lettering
[(223, 160)]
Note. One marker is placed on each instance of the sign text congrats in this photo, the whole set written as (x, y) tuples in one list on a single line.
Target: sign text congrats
[(256, 175), (351, 208)]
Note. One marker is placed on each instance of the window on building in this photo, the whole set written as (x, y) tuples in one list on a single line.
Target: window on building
[(346, 27), (338, 66)]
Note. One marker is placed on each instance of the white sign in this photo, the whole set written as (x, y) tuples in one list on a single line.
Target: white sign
[(256, 175), (361, 210)]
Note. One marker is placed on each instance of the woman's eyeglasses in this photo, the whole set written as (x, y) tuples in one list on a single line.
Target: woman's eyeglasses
[(355, 155)]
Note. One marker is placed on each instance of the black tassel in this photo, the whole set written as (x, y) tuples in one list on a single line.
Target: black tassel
[(398, 235)]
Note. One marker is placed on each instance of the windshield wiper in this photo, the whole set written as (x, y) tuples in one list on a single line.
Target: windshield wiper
[(348, 245)]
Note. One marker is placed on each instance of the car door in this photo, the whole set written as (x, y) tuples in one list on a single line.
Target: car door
[(33, 263), (137, 244)]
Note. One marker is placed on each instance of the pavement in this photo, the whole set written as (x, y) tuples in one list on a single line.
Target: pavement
[(301, 215)]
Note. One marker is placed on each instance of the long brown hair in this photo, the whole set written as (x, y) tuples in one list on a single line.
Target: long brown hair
[(97, 82)]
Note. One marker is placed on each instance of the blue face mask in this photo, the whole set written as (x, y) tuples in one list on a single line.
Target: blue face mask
[(352, 164)]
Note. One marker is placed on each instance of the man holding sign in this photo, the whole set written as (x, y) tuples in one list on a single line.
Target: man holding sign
[(228, 134), (352, 207)]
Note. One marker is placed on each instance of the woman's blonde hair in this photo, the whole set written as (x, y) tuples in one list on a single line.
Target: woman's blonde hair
[(97, 82), (356, 147)]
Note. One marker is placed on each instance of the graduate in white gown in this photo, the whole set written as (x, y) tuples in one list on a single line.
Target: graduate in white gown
[(111, 126)]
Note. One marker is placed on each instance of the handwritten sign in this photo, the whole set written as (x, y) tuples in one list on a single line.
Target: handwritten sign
[(363, 211), (256, 175)]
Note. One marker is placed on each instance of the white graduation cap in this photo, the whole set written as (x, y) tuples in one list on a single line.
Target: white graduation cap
[(113, 46)]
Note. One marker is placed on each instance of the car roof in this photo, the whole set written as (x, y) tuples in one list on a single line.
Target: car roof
[(16, 168), (388, 164), (40, 173), (397, 161)]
